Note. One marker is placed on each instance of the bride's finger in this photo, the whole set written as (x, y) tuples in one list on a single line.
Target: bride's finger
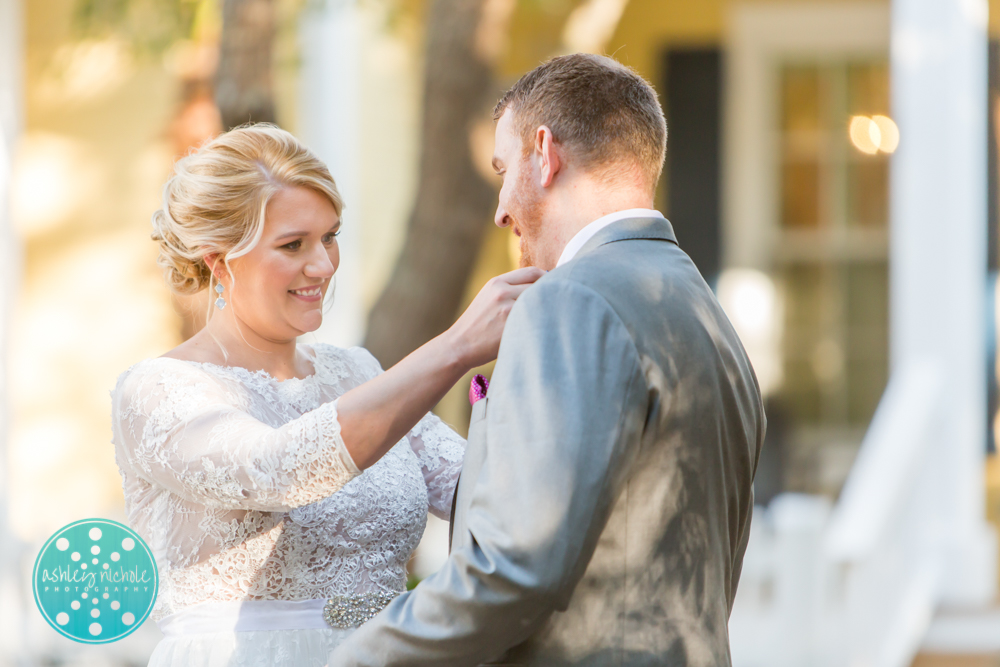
[(525, 276), (514, 291)]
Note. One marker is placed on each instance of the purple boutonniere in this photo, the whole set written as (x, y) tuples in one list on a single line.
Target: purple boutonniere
[(478, 388)]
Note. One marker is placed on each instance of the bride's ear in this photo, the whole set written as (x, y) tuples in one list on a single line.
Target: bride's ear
[(213, 262)]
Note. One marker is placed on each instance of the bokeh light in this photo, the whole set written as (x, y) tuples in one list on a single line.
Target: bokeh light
[(865, 134), (871, 135), (890, 133)]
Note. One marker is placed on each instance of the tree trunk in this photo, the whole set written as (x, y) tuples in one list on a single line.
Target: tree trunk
[(243, 83), (454, 204)]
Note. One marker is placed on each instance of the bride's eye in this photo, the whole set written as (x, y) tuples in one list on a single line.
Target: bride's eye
[(294, 245), (329, 236)]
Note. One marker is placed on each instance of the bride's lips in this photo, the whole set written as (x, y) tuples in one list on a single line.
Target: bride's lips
[(308, 294)]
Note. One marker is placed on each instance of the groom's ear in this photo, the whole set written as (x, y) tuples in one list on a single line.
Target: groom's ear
[(548, 155)]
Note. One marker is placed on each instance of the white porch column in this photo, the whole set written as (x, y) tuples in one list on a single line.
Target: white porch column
[(11, 612), (330, 122), (938, 258)]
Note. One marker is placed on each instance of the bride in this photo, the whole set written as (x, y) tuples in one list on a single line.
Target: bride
[(282, 487)]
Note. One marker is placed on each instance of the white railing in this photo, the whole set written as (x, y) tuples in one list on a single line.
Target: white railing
[(858, 585), (880, 544), (888, 463)]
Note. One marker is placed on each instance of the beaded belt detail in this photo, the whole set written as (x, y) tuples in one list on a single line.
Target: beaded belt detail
[(350, 611)]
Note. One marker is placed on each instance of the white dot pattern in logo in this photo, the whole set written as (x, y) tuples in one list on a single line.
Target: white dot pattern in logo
[(121, 585)]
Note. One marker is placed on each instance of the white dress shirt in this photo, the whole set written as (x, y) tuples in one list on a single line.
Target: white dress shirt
[(585, 234)]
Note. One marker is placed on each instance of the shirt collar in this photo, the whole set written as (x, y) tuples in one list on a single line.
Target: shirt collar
[(587, 233)]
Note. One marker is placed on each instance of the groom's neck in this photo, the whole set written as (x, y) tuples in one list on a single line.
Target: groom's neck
[(577, 203)]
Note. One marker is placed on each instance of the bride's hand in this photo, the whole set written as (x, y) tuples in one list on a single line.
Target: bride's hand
[(477, 332), (376, 414)]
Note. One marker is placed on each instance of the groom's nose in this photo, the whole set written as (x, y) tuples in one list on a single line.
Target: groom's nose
[(501, 219)]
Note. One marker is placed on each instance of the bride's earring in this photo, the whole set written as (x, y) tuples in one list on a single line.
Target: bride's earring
[(220, 303)]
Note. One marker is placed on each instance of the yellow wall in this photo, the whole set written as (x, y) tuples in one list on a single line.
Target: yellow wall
[(91, 301), (648, 26), (646, 29)]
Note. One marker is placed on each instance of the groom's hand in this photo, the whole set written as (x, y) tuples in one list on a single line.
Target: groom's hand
[(477, 332)]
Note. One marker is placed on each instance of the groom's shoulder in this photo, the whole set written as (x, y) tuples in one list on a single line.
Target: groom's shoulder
[(635, 269), (651, 285), (558, 287), (568, 286), (560, 299)]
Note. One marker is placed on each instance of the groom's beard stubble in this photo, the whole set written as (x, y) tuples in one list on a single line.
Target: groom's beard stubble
[(526, 257), (525, 210)]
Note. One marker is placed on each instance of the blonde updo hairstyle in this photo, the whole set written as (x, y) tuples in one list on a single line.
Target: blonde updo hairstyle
[(217, 197)]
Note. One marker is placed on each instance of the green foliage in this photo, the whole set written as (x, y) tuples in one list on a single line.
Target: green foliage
[(149, 26)]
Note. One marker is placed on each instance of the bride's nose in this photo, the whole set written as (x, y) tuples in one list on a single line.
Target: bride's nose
[(320, 265)]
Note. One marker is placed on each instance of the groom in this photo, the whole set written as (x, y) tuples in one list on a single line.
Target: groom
[(605, 502)]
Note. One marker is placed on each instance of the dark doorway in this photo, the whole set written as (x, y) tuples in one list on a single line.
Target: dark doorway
[(693, 103)]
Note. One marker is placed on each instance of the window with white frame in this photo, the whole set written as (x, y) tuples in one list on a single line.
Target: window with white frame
[(805, 220), (831, 257)]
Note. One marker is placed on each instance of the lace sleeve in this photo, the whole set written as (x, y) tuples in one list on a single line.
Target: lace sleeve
[(441, 453), (439, 449), (183, 429), (364, 363)]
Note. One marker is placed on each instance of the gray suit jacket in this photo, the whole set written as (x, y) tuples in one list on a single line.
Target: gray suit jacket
[(605, 502)]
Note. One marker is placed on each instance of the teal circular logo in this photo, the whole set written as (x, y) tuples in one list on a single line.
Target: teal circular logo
[(95, 581)]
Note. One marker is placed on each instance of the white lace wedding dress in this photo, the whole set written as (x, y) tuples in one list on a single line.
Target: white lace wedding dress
[(258, 518)]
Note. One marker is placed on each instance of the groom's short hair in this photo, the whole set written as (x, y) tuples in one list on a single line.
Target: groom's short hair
[(602, 112)]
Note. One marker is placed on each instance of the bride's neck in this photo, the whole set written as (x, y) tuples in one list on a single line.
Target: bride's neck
[(236, 344)]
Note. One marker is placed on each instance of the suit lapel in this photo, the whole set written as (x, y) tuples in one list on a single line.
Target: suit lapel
[(475, 456), (451, 520)]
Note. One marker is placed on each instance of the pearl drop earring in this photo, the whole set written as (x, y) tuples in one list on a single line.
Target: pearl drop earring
[(220, 303)]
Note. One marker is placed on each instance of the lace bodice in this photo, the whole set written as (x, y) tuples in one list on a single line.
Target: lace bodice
[(243, 489)]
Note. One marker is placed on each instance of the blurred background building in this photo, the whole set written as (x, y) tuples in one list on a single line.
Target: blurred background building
[(831, 168)]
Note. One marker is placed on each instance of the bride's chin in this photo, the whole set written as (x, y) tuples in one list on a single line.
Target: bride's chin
[(311, 321)]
